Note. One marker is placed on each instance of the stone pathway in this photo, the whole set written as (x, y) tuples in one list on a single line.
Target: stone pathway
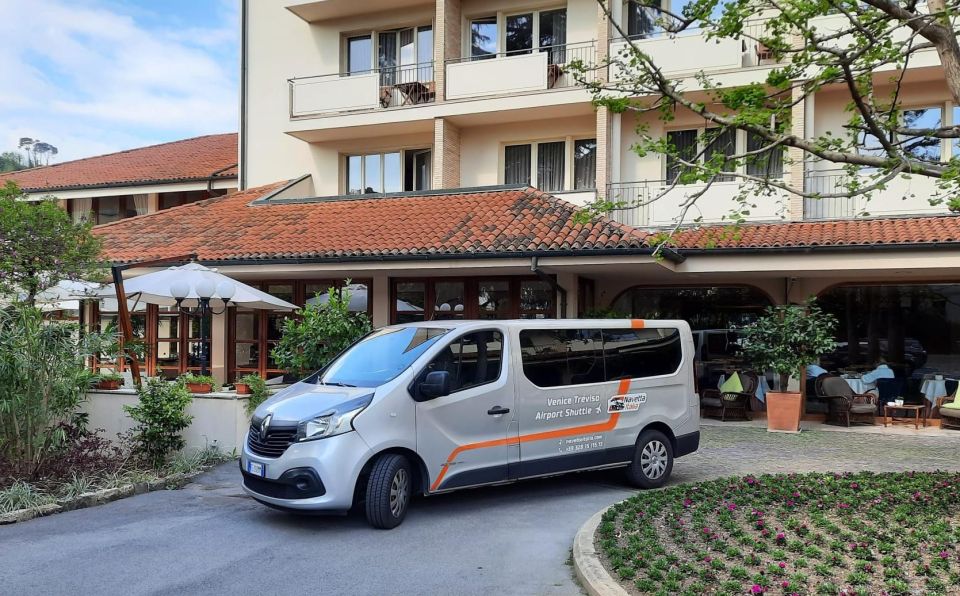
[(736, 449)]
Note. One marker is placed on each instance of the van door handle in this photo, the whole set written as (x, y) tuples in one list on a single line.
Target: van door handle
[(498, 411)]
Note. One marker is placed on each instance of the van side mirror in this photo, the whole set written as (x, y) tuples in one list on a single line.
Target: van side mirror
[(436, 384)]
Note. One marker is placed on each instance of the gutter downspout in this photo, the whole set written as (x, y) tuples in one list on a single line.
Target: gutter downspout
[(242, 160), (535, 268), (213, 176)]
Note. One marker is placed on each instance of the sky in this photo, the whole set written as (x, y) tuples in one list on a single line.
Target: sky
[(97, 76)]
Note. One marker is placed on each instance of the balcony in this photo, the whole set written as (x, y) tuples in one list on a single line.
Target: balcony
[(902, 196), (714, 206), (376, 89), (517, 72), (691, 51)]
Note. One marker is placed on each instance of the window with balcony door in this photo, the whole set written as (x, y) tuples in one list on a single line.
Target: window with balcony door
[(545, 30), (359, 54), (101, 210), (405, 56), (689, 144), (544, 164), (406, 170), (483, 38), (640, 17)]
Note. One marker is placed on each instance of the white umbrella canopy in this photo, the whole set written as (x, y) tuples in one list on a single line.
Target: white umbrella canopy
[(358, 300), (159, 288)]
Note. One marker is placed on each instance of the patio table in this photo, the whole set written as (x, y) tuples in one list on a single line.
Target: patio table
[(933, 388), (857, 384)]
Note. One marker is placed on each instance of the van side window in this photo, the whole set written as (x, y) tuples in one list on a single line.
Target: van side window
[(638, 353), (472, 360), (560, 357), (557, 357)]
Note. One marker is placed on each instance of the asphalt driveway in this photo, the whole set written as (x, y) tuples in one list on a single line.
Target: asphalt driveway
[(210, 538)]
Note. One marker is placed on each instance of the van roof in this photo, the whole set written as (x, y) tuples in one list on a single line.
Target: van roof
[(552, 323)]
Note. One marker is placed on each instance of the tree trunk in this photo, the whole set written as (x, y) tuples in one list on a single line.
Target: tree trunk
[(949, 51)]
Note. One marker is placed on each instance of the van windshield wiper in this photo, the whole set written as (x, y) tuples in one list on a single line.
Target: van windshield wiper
[(336, 384)]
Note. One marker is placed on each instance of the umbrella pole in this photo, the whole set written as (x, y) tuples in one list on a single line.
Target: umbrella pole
[(126, 325)]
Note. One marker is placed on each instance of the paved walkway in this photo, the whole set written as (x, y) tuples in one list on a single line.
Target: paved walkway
[(209, 538)]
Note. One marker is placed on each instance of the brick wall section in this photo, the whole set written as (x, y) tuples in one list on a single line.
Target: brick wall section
[(603, 114), (447, 39), (446, 154), (795, 177)]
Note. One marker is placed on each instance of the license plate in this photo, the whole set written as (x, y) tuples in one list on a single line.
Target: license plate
[(256, 468)]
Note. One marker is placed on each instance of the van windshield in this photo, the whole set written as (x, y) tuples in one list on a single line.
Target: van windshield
[(380, 357)]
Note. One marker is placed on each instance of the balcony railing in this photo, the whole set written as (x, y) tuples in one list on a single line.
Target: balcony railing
[(633, 198), (903, 195), (378, 88), (518, 71)]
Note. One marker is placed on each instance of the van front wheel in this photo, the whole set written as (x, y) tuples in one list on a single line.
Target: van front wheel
[(388, 491), (652, 462)]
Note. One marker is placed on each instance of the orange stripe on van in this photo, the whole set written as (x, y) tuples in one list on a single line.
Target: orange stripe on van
[(610, 424), (636, 323)]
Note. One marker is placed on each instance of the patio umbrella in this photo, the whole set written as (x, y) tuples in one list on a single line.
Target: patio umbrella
[(358, 300), (161, 287)]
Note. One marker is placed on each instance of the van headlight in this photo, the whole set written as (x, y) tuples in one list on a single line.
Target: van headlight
[(335, 421)]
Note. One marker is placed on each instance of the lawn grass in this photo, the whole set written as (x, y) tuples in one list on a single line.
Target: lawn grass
[(845, 534)]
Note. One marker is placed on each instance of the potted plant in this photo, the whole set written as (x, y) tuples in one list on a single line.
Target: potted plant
[(245, 384), (199, 383), (257, 390), (785, 340), (108, 381)]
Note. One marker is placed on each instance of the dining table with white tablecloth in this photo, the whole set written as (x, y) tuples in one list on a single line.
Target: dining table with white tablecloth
[(857, 384), (933, 388)]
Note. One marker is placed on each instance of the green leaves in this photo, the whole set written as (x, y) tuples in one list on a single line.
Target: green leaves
[(322, 331), (789, 337), (161, 416), (40, 245)]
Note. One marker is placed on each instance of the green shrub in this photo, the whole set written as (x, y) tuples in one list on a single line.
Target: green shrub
[(200, 380), (258, 391), (323, 330), (161, 416), (43, 379)]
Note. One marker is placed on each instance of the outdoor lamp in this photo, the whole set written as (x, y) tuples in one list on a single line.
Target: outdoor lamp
[(205, 289), (226, 290), (179, 290)]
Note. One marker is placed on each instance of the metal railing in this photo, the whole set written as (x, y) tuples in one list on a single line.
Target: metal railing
[(828, 182), (404, 85), (559, 60), (633, 201)]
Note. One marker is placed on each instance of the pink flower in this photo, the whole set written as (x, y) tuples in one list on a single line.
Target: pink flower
[(731, 506), (782, 565), (756, 589), (687, 503), (785, 585), (707, 559), (781, 536), (944, 554), (706, 530)]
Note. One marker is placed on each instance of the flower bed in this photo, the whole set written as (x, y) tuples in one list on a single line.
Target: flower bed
[(848, 534)]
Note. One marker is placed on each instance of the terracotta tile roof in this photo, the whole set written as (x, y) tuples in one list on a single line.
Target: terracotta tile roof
[(190, 159), (940, 229), (493, 222)]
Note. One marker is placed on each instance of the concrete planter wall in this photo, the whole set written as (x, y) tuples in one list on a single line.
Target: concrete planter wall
[(218, 418)]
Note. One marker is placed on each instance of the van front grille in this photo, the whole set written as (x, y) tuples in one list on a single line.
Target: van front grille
[(274, 442)]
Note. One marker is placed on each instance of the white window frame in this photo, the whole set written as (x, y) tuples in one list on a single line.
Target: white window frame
[(502, 28), (568, 148), (404, 152), (741, 147), (374, 35)]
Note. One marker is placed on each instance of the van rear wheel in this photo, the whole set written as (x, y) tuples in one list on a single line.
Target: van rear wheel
[(389, 488), (652, 462)]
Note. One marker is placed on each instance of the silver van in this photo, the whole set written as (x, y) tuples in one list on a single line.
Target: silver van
[(442, 405)]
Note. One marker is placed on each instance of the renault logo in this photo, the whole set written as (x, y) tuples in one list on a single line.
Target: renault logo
[(265, 425)]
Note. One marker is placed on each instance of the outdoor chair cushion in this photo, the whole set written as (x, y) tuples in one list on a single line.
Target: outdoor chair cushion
[(712, 402), (863, 409), (953, 405), (732, 385), (949, 412)]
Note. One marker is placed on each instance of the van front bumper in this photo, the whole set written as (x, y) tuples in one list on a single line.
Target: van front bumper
[(310, 476)]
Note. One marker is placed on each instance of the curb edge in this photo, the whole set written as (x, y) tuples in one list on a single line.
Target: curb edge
[(592, 575)]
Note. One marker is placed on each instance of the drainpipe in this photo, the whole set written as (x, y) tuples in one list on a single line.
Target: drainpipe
[(213, 176), (535, 268)]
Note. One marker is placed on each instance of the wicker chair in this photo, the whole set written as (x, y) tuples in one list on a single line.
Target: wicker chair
[(845, 406), (715, 404), (949, 417)]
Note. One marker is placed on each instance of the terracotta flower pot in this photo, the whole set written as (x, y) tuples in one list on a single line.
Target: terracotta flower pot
[(199, 387), (242, 388), (783, 411), (109, 384)]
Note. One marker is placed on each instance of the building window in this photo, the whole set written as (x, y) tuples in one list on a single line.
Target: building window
[(107, 320), (585, 164), (102, 210), (641, 18), (700, 145), (359, 54), (544, 164), (389, 172), (471, 298), (766, 165), (922, 148), (176, 199), (545, 30), (720, 146), (684, 142), (483, 38), (723, 307), (405, 55), (252, 334)]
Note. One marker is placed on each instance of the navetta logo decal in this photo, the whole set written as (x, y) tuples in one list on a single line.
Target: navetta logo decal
[(265, 425), (626, 402)]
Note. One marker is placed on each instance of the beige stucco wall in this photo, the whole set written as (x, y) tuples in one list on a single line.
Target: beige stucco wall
[(219, 419)]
